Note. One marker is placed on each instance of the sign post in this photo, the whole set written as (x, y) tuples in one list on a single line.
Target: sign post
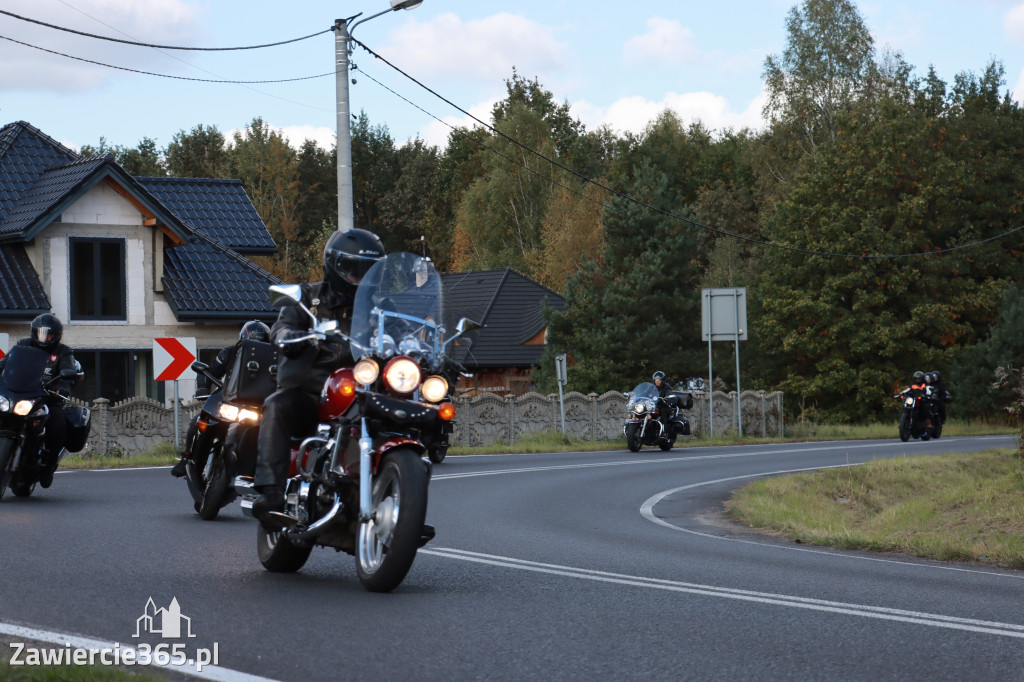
[(171, 357), (561, 376), (724, 318)]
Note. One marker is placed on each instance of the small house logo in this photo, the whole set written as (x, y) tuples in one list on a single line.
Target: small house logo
[(164, 622)]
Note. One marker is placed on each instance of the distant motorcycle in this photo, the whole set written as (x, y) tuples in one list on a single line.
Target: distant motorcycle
[(653, 420), (23, 417), (917, 409), (228, 427)]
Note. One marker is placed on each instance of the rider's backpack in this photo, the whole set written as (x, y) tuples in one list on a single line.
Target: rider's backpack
[(253, 374)]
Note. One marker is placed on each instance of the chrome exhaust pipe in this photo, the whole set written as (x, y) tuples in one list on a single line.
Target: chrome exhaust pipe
[(246, 493), (320, 525)]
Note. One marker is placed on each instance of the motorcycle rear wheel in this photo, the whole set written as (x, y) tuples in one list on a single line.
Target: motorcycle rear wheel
[(437, 454), (633, 437), (278, 553), (904, 427), (386, 545), (6, 452), (937, 429)]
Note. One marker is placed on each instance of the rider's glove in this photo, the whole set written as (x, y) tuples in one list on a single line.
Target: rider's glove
[(292, 350)]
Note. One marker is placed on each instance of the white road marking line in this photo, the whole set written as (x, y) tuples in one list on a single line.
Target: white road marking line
[(209, 672), (862, 610)]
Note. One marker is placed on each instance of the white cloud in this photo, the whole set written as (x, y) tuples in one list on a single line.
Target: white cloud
[(632, 114), (666, 41), (1017, 92), (485, 49), (1013, 24), (157, 21), (296, 135), (436, 133)]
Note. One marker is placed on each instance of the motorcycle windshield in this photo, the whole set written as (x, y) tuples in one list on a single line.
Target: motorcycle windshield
[(645, 390), (399, 310), (23, 373)]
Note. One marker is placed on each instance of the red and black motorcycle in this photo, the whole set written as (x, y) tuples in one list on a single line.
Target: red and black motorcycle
[(360, 484)]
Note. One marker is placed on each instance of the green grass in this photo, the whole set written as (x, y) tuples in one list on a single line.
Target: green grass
[(163, 453), (963, 507), (71, 673)]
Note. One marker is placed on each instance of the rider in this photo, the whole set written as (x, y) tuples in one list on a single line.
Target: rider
[(291, 411), (940, 394), (918, 389), (46, 334), (665, 395), (252, 330)]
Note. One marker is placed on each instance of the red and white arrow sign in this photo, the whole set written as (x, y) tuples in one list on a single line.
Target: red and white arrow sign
[(171, 357), (5, 344)]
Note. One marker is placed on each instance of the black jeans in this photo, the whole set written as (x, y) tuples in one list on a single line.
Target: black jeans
[(56, 431), (287, 414)]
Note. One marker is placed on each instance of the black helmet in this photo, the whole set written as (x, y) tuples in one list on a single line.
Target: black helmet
[(255, 330), (919, 376), (348, 255), (47, 331), (929, 376), (659, 375), (935, 375)]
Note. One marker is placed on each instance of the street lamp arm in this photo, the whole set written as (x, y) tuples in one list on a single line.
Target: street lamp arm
[(372, 16)]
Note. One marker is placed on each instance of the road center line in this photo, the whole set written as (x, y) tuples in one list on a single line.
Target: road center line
[(862, 610)]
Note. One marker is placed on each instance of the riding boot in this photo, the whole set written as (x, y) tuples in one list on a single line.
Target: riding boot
[(47, 467), (271, 500), (178, 470)]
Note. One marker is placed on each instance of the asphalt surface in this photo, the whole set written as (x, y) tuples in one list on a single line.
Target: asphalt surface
[(570, 566)]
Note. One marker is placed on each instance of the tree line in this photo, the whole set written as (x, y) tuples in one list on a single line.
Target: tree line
[(861, 218)]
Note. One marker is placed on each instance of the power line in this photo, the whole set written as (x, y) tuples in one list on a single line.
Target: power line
[(702, 226), (163, 47), (164, 75)]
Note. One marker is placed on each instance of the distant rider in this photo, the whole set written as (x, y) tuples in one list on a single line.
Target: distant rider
[(666, 397), (291, 411), (46, 334), (940, 394), (252, 330)]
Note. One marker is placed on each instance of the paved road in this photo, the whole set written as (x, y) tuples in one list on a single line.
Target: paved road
[(568, 566)]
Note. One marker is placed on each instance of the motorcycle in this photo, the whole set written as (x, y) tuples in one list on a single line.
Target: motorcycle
[(23, 417), (647, 425), (918, 408), (228, 427), (359, 485)]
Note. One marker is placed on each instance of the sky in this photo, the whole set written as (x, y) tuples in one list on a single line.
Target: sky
[(617, 64)]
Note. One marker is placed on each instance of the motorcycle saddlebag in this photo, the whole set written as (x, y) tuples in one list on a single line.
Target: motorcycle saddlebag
[(685, 399), (253, 374), (78, 422), (681, 426)]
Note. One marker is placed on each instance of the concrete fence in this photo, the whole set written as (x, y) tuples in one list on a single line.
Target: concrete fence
[(137, 424)]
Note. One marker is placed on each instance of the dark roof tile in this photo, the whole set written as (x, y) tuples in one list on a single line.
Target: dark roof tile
[(21, 296), (25, 153)]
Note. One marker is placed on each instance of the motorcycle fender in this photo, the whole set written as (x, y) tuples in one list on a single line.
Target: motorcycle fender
[(399, 441)]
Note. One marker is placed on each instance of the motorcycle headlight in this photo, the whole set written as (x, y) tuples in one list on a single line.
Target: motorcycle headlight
[(5, 403), (639, 407), (23, 407), (434, 389), (365, 372), (228, 412), (402, 375), (909, 402), (248, 415)]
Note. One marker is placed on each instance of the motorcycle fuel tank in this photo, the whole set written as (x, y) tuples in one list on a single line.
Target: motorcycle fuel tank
[(338, 394)]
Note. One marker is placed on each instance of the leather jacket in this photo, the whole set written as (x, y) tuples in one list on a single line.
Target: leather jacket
[(306, 366)]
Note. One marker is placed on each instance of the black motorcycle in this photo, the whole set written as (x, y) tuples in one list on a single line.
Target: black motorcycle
[(23, 417), (653, 420), (918, 411), (228, 427)]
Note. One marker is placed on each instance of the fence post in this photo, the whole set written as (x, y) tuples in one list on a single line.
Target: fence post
[(100, 424), (593, 415), (510, 407)]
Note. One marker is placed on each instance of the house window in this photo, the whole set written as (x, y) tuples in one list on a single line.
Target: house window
[(116, 375), (97, 279)]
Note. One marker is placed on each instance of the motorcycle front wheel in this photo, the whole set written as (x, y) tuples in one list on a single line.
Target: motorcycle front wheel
[(216, 489), (387, 543), (22, 489), (6, 452), (633, 437), (904, 427), (278, 553)]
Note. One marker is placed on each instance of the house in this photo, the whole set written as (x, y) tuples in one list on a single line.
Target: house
[(123, 260), (512, 341)]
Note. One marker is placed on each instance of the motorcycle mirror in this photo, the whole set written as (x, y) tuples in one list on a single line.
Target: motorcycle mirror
[(68, 373), (283, 294), (199, 367), (467, 325)]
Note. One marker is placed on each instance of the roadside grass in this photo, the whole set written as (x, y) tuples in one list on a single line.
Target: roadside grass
[(961, 507), (799, 432), (162, 454)]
